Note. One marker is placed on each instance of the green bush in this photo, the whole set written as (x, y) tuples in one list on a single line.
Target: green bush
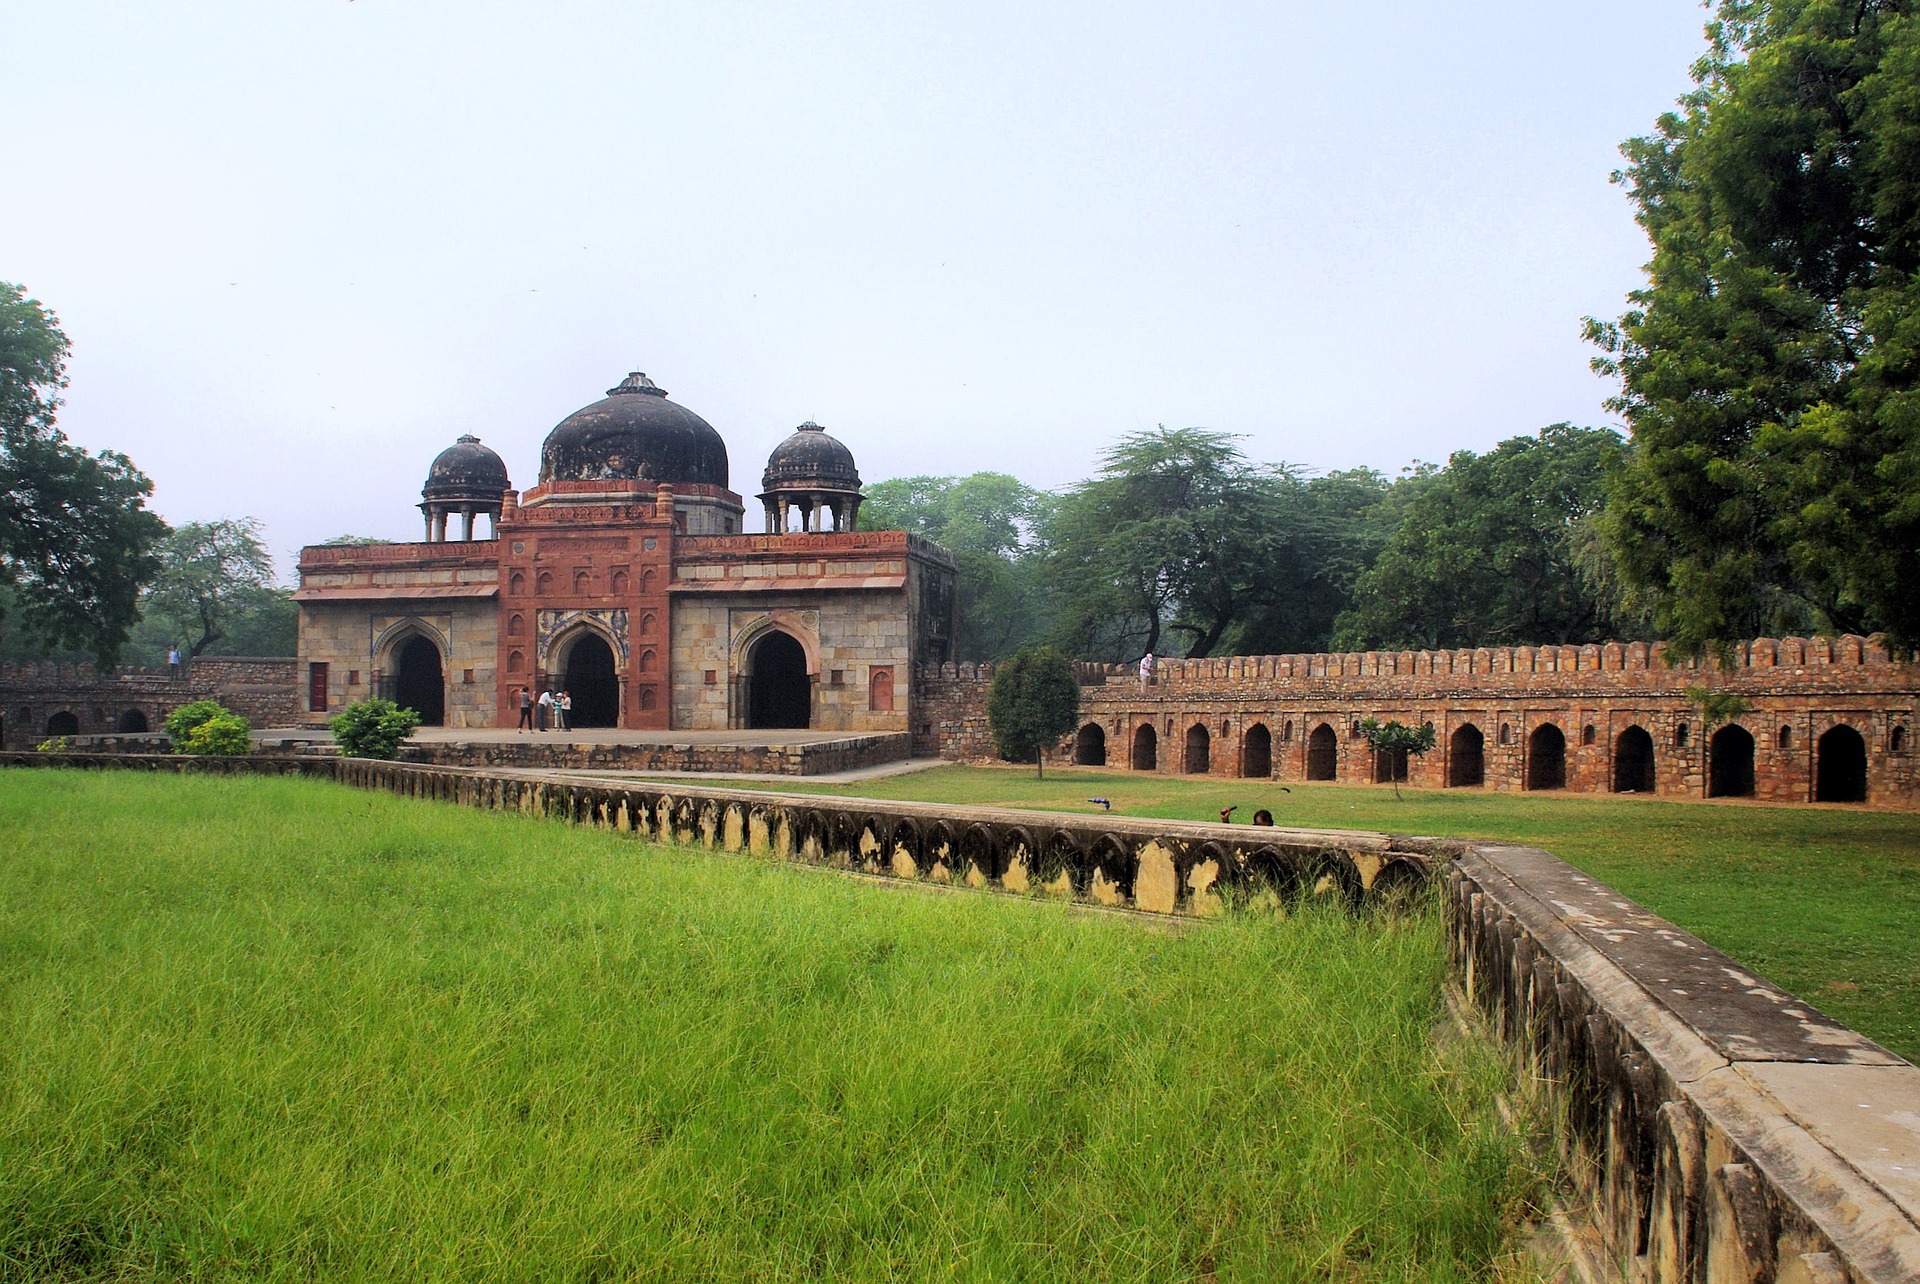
[(207, 726), (223, 733), (373, 728), (189, 716)]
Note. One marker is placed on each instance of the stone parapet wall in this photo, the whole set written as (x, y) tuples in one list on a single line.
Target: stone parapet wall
[(1718, 1129), (1599, 719), (262, 689)]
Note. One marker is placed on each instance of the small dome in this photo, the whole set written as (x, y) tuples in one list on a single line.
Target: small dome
[(466, 470), (636, 434), (810, 460)]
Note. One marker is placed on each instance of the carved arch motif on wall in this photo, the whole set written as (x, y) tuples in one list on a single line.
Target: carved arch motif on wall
[(747, 627), (554, 627)]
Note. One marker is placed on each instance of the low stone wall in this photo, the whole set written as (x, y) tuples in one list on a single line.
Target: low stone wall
[(1719, 1129), (555, 751), (37, 699)]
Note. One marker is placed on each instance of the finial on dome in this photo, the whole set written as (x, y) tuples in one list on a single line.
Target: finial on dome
[(637, 382), (810, 426)]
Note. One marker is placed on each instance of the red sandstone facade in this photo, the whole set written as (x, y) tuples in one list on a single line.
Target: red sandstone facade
[(1830, 719)]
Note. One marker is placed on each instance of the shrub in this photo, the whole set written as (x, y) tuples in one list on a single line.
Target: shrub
[(1033, 702), (224, 733), (373, 728), (207, 726), (188, 716), (52, 744)]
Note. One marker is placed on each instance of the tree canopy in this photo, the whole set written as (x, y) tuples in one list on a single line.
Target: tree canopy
[(216, 578), (1488, 550), (1034, 701), (76, 539), (1770, 366)]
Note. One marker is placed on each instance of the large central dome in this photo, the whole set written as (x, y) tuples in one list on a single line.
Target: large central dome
[(635, 433)]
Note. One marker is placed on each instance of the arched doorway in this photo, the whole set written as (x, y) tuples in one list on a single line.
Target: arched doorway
[(1466, 758), (592, 683), (1841, 773), (1547, 758), (1323, 754), (63, 723), (779, 692), (1256, 752), (133, 722), (1199, 750), (1090, 746), (417, 684), (1730, 763), (1633, 762), (1146, 748)]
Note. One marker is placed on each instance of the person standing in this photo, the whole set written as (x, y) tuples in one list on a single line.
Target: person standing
[(173, 663), (526, 710), (564, 706), (545, 722), (1146, 671)]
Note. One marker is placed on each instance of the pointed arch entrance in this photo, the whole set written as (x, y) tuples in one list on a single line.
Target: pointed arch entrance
[(1841, 772), (1547, 758), (779, 691), (418, 683), (1323, 754), (1633, 771), (1256, 752), (1466, 758), (592, 680), (1730, 763), (1146, 748)]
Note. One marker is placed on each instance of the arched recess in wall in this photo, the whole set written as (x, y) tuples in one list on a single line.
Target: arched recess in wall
[(1389, 767), (1840, 772), (414, 669), (1633, 766), (1090, 746), (779, 688), (1146, 748), (1547, 758), (133, 722), (1466, 758), (1256, 752), (590, 675), (63, 723), (1730, 763), (1199, 750), (1323, 753)]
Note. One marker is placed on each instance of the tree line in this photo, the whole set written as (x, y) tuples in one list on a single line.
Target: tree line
[(1768, 371)]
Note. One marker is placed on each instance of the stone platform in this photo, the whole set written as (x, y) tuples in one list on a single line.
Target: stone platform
[(768, 753)]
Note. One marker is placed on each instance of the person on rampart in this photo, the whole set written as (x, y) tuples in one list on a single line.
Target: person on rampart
[(173, 663), (1146, 671)]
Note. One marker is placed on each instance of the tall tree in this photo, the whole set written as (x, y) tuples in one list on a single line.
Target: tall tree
[(1489, 550), (1770, 366), (215, 583), (1033, 702), (988, 522), (1174, 538), (76, 539)]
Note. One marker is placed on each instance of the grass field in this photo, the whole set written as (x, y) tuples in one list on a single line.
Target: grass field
[(265, 1028), (1822, 900)]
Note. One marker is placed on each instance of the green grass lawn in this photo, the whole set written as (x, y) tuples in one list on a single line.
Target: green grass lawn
[(1822, 900), (272, 1028)]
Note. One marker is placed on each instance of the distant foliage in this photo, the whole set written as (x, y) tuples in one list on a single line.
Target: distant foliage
[(208, 727), (373, 728), (1033, 702)]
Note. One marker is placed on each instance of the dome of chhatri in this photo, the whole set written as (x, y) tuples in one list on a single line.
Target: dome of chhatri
[(810, 459), (635, 433), (466, 470)]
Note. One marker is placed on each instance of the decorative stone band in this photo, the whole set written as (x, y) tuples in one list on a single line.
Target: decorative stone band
[(1718, 1128)]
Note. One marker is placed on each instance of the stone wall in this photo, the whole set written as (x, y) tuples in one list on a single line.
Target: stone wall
[(1718, 1129), (34, 697), (1598, 719), (811, 759)]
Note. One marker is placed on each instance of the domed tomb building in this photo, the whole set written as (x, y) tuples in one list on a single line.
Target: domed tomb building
[(624, 578)]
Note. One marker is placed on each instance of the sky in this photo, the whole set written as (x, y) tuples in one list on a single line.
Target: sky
[(301, 247)]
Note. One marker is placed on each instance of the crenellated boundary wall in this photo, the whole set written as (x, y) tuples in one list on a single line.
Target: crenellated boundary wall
[(1829, 719), (43, 699), (1718, 1129)]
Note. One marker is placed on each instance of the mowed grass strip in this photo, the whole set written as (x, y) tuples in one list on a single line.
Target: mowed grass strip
[(1823, 900), (277, 1028)]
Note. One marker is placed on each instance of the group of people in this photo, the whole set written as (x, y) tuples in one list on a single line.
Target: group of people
[(551, 712)]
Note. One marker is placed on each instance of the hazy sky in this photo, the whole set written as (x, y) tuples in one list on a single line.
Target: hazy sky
[(301, 246)]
